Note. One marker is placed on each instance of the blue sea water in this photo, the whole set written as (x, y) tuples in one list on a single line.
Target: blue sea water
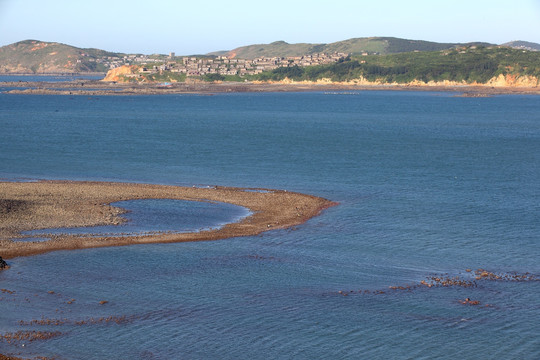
[(149, 216), (48, 78), (427, 184)]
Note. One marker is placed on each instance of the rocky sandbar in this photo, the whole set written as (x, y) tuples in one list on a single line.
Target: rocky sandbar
[(28, 206)]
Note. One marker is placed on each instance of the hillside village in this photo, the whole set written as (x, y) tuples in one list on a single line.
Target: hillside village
[(38, 57), (222, 65)]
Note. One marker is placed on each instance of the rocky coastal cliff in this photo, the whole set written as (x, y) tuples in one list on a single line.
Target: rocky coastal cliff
[(501, 81), (119, 73), (130, 72)]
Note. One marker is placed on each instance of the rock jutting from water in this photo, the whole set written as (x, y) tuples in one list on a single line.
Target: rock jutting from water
[(3, 264)]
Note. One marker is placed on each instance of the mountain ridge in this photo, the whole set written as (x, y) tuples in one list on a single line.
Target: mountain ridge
[(39, 57), (524, 45), (354, 46), (35, 56)]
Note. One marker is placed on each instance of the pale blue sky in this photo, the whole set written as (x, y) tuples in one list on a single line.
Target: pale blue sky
[(202, 26)]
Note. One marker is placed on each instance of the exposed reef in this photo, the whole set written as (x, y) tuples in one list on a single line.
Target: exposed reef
[(101, 88)]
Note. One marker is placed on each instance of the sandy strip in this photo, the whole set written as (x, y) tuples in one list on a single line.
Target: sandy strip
[(100, 88), (51, 204)]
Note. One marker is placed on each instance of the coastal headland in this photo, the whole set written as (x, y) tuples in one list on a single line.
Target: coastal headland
[(28, 206)]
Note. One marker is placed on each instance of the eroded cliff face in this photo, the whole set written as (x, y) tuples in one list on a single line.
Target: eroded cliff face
[(514, 81), (116, 73), (524, 81), (499, 81)]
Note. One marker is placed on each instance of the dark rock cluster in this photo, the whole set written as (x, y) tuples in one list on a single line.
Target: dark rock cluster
[(3, 264)]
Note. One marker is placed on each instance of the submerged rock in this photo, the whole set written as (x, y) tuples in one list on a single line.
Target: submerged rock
[(3, 264)]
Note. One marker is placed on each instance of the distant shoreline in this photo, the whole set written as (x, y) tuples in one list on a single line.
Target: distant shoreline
[(52, 204), (55, 74), (100, 88)]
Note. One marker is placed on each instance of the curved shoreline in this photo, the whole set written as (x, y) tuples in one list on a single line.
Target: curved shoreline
[(51, 204), (101, 88)]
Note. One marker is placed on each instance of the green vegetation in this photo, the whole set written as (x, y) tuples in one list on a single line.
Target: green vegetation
[(213, 77), (472, 64), (219, 77), (275, 49), (386, 60), (165, 76), (371, 45)]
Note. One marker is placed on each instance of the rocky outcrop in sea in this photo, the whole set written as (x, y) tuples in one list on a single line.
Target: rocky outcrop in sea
[(3, 264)]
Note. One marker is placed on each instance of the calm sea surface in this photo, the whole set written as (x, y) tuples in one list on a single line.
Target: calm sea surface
[(428, 184), (159, 215), (49, 78)]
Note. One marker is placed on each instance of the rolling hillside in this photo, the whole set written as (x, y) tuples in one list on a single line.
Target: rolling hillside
[(497, 66), (33, 56), (38, 57), (525, 45), (371, 45)]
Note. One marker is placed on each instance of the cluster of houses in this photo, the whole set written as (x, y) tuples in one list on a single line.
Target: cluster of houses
[(112, 62), (222, 65)]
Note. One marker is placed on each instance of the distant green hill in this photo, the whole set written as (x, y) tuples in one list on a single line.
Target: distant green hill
[(525, 45), (33, 56), (371, 45), (465, 64)]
